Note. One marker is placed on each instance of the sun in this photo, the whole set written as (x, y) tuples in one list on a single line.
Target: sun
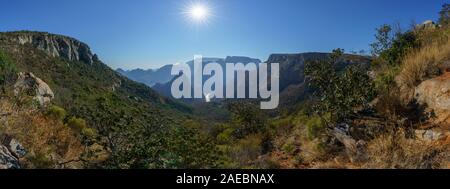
[(198, 13)]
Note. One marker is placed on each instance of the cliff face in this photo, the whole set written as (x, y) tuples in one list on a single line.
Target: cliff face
[(54, 45)]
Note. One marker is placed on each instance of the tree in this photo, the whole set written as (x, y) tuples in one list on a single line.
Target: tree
[(444, 14), (338, 93), (247, 119), (383, 39)]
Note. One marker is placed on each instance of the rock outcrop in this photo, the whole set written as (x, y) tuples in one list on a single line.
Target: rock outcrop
[(54, 45), (10, 153), (435, 95), (31, 85), (429, 24)]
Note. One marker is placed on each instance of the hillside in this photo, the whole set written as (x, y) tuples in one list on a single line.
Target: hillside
[(122, 112)]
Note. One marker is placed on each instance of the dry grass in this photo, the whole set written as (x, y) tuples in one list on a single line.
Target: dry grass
[(49, 142), (422, 64), (394, 151)]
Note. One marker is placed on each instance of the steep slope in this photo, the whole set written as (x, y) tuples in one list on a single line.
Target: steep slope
[(135, 125), (72, 70)]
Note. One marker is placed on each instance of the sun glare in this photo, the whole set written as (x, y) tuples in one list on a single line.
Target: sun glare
[(198, 13)]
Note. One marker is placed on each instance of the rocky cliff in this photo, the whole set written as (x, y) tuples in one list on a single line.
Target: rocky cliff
[(54, 45)]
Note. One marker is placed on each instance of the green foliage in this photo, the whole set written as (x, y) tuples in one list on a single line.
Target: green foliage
[(338, 93), (226, 136), (390, 47), (7, 70), (314, 127), (80, 125), (385, 80), (77, 123), (56, 112), (246, 150), (444, 15), (247, 119), (383, 40)]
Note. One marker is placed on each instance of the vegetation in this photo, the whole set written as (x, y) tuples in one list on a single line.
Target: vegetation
[(338, 93), (103, 120)]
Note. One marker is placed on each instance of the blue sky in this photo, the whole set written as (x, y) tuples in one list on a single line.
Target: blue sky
[(151, 33)]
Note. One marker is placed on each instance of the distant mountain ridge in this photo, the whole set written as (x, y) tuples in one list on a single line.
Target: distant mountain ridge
[(293, 85), (152, 77)]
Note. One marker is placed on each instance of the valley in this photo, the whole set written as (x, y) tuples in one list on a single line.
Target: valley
[(62, 107)]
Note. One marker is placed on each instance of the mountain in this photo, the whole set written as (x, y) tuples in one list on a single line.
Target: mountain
[(130, 124), (293, 87), (165, 88), (152, 77), (149, 77)]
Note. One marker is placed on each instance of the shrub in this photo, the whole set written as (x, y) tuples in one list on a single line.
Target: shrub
[(7, 69), (314, 127), (247, 119), (248, 149), (77, 123), (226, 136), (56, 112)]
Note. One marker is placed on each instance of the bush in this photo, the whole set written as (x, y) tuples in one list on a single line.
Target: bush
[(247, 150), (226, 136), (247, 119), (56, 112), (77, 124), (7, 69), (314, 127)]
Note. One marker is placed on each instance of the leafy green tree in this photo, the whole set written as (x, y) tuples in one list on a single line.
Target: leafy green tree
[(247, 119), (444, 15), (7, 70), (338, 93), (383, 40)]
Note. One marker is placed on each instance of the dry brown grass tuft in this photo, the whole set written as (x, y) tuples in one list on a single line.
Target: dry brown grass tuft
[(420, 65), (395, 151), (49, 142)]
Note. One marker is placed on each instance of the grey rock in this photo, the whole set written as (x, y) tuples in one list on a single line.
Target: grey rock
[(34, 86), (431, 135), (429, 24), (435, 95), (16, 148), (356, 149), (7, 160)]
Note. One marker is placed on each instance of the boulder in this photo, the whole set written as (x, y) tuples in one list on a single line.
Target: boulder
[(435, 95), (432, 135), (429, 24), (31, 85), (10, 152), (16, 148), (7, 160), (356, 149)]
